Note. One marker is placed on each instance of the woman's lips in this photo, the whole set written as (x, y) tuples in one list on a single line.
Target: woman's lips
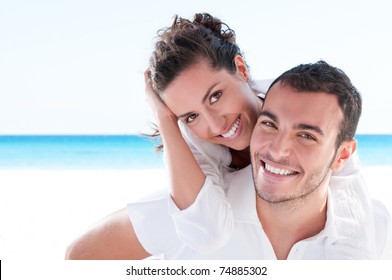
[(232, 130)]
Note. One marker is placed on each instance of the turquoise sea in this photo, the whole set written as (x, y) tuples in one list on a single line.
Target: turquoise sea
[(127, 152), (78, 152)]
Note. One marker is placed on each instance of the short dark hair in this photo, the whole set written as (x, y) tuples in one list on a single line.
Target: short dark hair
[(322, 77)]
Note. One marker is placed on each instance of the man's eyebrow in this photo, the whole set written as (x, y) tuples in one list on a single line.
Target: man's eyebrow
[(269, 115), (202, 101), (309, 127), (302, 126)]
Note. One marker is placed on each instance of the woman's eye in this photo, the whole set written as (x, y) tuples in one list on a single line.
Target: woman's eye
[(191, 118), (215, 96)]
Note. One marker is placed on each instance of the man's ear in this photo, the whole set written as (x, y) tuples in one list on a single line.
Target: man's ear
[(346, 149), (242, 69)]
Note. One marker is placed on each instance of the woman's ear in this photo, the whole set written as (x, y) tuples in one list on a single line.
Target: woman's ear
[(242, 69), (346, 149)]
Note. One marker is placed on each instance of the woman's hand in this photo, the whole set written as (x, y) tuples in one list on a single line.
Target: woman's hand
[(159, 108)]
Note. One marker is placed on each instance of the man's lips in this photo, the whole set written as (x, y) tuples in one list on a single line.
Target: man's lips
[(277, 170)]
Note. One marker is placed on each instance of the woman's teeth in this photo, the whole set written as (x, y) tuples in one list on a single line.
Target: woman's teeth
[(232, 130), (278, 171)]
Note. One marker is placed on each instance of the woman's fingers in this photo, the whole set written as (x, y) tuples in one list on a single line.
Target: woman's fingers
[(157, 105)]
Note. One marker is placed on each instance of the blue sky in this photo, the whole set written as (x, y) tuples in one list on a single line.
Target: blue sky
[(75, 67)]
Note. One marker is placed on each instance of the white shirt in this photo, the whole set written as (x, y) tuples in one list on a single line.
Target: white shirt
[(157, 232)]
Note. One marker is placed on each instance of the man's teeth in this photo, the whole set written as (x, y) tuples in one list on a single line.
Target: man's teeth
[(232, 130), (278, 171)]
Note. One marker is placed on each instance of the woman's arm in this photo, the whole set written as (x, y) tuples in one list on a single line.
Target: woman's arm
[(113, 238), (186, 176), (199, 209)]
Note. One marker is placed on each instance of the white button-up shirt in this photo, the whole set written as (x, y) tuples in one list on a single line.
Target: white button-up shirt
[(157, 233)]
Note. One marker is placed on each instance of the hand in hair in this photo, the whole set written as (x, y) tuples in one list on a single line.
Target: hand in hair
[(159, 108)]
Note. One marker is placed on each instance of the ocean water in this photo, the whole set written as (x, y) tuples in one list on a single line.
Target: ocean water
[(127, 152), (78, 152), (375, 150)]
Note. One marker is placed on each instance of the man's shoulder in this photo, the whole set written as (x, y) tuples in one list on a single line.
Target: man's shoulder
[(382, 216), (383, 229)]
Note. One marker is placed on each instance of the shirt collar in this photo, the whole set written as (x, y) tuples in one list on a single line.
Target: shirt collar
[(242, 195), (330, 231)]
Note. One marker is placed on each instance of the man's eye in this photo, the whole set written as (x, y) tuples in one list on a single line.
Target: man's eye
[(215, 96), (268, 124), (307, 136), (191, 118)]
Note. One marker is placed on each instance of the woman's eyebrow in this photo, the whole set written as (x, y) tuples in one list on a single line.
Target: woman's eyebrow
[(209, 91), (203, 99), (184, 115)]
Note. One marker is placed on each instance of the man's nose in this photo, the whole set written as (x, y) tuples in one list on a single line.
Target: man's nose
[(280, 146)]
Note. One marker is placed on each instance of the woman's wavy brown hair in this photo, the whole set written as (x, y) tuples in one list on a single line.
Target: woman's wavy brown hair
[(187, 42)]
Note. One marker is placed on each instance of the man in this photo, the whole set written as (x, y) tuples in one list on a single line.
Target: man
[(304, 132)]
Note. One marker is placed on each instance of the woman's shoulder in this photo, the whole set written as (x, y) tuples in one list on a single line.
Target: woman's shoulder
[(204, 151)]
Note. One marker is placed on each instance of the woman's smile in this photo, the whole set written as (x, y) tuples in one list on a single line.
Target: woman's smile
[(231, 132)]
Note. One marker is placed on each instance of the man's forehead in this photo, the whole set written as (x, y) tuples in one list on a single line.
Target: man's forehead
[(313, 108), (278, 87), (281, 91)]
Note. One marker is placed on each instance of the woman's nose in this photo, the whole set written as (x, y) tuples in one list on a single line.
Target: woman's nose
[(216, 123)]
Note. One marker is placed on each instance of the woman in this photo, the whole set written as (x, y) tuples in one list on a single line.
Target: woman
[(206, 106), (220, 108)]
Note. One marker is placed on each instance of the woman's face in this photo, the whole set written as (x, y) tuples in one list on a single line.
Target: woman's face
[(216, 106)]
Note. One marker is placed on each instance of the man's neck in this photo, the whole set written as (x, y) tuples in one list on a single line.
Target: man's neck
[(285, 225)]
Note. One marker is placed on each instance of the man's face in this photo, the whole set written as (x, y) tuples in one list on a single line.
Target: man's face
[(293, 144)]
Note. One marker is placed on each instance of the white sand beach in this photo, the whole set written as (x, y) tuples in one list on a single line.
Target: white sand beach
[(41, 211)]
